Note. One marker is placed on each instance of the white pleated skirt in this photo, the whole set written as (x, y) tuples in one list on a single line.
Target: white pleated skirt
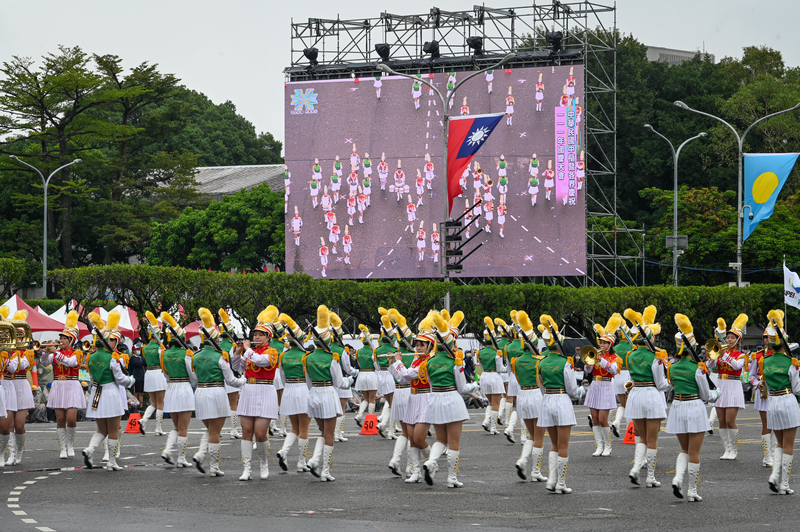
[(294, 399), (492, 383), (783, 413), (231, 389), (345, 393), (513, 386), (66, 394), (258, 400), (447, 407), (504, 376), (529, 403), (686, 417), (123, 397), (155, 381), (618, 381), (386, 383), (417, 408), (645, 403), (211, 403), (761, 405), (600, 395), (731, 394), (278, 381), (110, 404), (323, 402), (367, 381), (9, 395), (179, 397), (399, 403), (556, 411), (24, 394)]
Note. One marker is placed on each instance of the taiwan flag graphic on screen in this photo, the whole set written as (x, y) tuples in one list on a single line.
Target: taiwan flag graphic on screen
[(466, 134)]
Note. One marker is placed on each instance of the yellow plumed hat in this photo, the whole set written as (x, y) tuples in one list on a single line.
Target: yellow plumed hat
[(208, 322), (112, 326), (264, 320), (686, 329), (775, 318), (454, 321), (21, 315), (525, 323), (5, 311), (71, 326), (426, 327), (323, 327), (291, 324), (738, 325), (167, 318)]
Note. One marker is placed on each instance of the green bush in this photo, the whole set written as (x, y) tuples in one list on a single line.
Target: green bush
[(143, 287)]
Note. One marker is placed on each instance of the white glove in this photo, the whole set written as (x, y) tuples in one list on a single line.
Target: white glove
[(131, 382), (355, 373), (713, 396), (603, 363), (581, 394)]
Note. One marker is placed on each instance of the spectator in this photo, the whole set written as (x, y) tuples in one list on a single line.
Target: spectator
[(137, 368), (469, 366)]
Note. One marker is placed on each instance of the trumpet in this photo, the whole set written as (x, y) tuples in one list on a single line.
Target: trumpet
[(588, 355), (715, 349), (763, 388), (628, 387)]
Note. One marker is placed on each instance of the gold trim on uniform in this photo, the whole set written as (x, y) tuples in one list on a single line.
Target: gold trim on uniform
[(551, 391), (686, 396), (417, 391), (442, 389), (258, 381), (215, 384), (321, 384), (785, 391), (604, 379), (644, 384)]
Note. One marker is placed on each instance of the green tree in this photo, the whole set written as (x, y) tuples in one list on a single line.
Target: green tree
[(243, 231)]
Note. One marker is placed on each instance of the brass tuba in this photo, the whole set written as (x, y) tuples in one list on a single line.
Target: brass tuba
[(23, 337), (8, 335), (714, 349), (588, 355), (628, 387)]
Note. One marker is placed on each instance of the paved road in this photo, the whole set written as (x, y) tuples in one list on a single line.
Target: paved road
[(548, 239), (148, 495)]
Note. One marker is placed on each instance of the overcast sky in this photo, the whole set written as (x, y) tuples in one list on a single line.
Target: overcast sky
[(236, 50)]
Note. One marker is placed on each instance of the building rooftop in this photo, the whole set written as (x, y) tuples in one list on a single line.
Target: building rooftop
[(672, 56), (218, 181)]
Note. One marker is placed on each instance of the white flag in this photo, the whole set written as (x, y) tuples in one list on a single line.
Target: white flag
[(791, 287)]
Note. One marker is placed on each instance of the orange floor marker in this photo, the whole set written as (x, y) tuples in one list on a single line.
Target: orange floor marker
[(133, 424), (370, 425), (629, 435)]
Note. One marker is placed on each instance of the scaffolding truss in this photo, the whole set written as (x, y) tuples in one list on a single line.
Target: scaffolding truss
[(346, 48)]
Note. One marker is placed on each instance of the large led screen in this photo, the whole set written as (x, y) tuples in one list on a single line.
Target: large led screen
[(366, 191)]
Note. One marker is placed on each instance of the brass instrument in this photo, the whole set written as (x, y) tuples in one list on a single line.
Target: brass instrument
[(8, 335), (715, 349), (628, 387), (589, 355), (22, 334), (763, 387)]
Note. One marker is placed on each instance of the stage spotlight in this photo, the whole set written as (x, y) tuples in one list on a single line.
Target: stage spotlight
[(554, 39), (476, 43), (383, 50), (432, 48), (311, 55)]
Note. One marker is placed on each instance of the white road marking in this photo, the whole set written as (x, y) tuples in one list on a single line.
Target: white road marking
[(428, 134), (56, 473), (29, 521), (390, 251), (550, 249), (40, 478), (513, 218), (429, 113), (429, 124), (45, 529), (369, 275), (13, 499), (565, 260), (401, 238), (437, 112), (15, 493), (537, 239), (526, 229), (30, 482), (580, 271), (379, 265), (20, 487), (441, 123), (13, 505), (18, 512)]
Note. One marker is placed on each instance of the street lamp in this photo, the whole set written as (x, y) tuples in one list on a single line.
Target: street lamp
[(675, 155), (386, 69), (45, 182), (739, 209)]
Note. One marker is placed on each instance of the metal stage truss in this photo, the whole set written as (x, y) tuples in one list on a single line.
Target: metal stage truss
[(346, 48)]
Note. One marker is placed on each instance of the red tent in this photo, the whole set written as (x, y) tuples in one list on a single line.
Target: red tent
[(37, 321)]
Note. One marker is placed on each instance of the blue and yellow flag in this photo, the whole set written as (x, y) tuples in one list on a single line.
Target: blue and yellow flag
[(764, 177)]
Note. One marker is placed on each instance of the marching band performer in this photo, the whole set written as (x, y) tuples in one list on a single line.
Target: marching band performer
[(295, 396), (489, 78), (435, 244), (362, 201), (420, 185), (509, 107), (491, 383), (107, 378), (297, 226), (782, 374), (399, 180), (539, 93), (8, 395), (421, 242), (731, 395), (429, 172), (355, 160), (465, 108), (415, 416), (400, 401), (687, 416), (529, 400), (259, 400), (367, 383), (322, 373), (155, 384), (412, 214), (549, 181), (446, 409), (761, 401), (383, 171), (66, 394), (382, 358), (336, 183), (211, 369), (344, 359), (557, 384), (347, 244), (512, 349), (323, 256), (645, 401), (600, 395), (22, 389), (505, 338), (179, 397), (276, 426), (623, 375)]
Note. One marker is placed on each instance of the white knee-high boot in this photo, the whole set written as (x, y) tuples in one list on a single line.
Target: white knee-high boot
[(694, 478), (512, 424), (606, 440), (775, 476), (327, 462), (536, 470), (3, 442), (302, 446), (113, 448), (651, 481), (430, 466), (522, 463), (680, 470), (766, 445), (89, 451), (180, 447), (598, 441), (493, 422), (786, 469), (199, 457), (316, 459), (61, 434), (263, 451), (638, 462), (487, 417), (561, 485), (397, 455), (552, 465), (284, 450), (149, 411), (247, 458), (413, 461), (169, 450), (71, 441), (452, 469), (501, 410), (214, 460)]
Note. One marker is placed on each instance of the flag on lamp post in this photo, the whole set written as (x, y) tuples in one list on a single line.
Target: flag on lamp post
[(465, 135), (764, 176), (791, 287)]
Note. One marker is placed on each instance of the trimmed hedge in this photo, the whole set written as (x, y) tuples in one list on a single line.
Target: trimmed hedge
[(143, 287)]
